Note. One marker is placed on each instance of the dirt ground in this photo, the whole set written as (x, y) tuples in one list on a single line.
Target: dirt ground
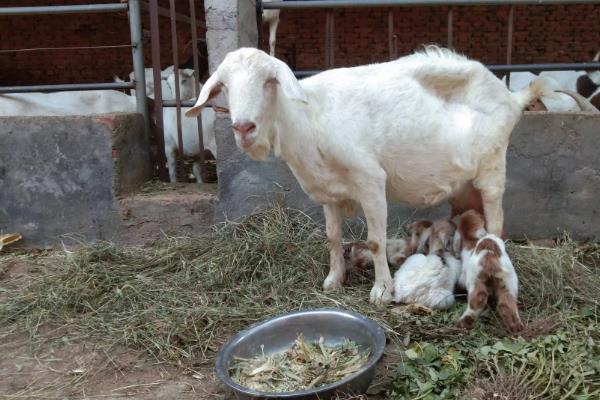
[(64, 366)]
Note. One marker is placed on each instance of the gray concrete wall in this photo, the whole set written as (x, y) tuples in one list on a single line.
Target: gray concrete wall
[(553, 180), (62, 175)]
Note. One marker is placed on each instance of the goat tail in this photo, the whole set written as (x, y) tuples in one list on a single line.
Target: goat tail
[(540, 87)]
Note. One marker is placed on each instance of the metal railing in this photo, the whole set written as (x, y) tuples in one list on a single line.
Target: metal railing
[(159, 103), (392, 38), (133, 8)]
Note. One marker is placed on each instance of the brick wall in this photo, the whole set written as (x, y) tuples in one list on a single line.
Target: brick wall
[(541, 34), (66, 66)]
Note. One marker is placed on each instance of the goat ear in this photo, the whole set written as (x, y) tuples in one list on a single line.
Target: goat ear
[(210, 89), (288, 82)]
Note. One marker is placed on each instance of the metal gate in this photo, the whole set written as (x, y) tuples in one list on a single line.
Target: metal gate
[(329, 5)]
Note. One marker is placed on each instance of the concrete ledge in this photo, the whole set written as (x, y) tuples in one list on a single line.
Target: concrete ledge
[(553, 179), (182, 210), (553, 176), (62, 175)]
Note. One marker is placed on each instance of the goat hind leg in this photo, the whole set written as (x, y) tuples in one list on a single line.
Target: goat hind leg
[(478, 297), (509, 312)]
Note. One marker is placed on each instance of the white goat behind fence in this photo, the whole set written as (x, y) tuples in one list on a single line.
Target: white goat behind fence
[(271, 17), (189, 131), (186, 83), (111, 101), (66, 103), (419, 130)]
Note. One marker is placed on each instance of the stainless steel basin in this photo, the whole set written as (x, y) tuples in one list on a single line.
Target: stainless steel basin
[(278, 334)]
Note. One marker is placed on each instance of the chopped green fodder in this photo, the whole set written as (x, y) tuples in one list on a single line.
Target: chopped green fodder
[(305, 365)]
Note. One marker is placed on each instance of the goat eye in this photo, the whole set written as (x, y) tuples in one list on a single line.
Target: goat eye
[(271, 81)]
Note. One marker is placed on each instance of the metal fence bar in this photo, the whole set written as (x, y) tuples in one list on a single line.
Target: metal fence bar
[(259, 23), (589, 66), (275, 5), (175, 51), (450, 27), (197, 87), (509, 40), (329, 39), (137, 52), (75, 9), (69, 87), (545, 67), (391, 34), (183, 103), (158, 103)]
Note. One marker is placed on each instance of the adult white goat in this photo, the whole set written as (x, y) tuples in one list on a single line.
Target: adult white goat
[(422, 129), (271, 17)]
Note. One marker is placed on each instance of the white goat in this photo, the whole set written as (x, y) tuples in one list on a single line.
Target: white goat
[(430, 279), (112, 101), (578, 90), (487, 271), (271, 17), (418, 129), (186, 83), (565, 98), (189, 132), (66, 103)]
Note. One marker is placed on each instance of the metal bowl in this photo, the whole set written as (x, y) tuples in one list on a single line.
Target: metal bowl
[(278, 334)]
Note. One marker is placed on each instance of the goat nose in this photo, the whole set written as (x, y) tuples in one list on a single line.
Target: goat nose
[(244, 127)]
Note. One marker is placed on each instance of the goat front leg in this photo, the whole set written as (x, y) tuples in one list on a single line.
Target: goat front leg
[(337, 267), (374, 205)]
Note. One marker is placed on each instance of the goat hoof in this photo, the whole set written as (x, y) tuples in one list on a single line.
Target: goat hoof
[(466, 323), (333, 282), (382, 292)]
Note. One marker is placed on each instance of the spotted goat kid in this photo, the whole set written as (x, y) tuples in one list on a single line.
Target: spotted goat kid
[(429, 279), (486, 271)]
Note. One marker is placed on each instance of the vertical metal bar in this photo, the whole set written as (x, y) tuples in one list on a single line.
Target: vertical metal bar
[(391, 33), (450, 27), (197, 86), (329, 40), (158, 106), (259, 23), (509, 41), (175, 51), (332, 40), (137, 51)]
